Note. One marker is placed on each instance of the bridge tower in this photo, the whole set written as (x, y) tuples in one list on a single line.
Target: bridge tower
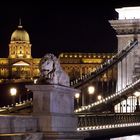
[(128, 29)]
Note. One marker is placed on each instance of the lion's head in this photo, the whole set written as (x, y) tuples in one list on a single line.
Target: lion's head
[(47, 65), (51, 71)]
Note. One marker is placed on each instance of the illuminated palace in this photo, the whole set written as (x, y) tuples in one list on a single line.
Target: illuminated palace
[(20, 66)]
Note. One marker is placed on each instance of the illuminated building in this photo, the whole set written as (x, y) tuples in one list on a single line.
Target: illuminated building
[(20, 66), (79, 64)]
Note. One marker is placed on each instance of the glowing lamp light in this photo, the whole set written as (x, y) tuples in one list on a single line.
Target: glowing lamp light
[(35, 81), (13, 91), (129, 12), (77, 95), (91, 89)]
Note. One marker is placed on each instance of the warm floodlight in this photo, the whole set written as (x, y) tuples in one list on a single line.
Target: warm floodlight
[(129, 12)]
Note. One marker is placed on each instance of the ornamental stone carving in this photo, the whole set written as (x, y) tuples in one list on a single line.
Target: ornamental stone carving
[(52, 72)]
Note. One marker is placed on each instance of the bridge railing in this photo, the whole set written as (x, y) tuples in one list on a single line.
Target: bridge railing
[(18, 106), (128, 90), (106, 65), (105, 121)]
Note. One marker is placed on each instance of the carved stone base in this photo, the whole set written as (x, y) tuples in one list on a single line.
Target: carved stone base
[(53, 105)]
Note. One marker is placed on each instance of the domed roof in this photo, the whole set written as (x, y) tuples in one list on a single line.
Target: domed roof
[(20, 35)]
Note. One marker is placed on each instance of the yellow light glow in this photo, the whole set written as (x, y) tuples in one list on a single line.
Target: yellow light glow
[(61, 55), (21, 63), (13, 91), (77, 95), (91, 89), (92, 60)]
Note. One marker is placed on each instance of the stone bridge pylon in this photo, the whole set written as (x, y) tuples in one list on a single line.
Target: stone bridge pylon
[(128, 29)]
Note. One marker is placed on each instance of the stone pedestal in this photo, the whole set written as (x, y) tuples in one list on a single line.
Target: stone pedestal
[(54, 106)]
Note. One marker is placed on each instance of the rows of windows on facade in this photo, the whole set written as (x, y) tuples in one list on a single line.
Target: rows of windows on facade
[(21, 66)]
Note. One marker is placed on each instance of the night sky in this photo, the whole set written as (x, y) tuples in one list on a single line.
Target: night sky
[(62, 27)]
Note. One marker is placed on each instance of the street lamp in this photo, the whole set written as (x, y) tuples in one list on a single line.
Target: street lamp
[(77, 96), (13, 92), (137, 94), (91, 90)]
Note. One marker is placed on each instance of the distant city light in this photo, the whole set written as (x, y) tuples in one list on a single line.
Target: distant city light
[(128, 12)]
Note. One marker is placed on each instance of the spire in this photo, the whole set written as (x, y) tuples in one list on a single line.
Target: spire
[(19, 26)]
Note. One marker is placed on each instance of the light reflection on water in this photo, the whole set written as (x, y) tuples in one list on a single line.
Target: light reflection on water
[(134, 137)]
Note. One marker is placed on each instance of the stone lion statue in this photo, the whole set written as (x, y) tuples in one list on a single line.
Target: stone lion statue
[(52, 72)]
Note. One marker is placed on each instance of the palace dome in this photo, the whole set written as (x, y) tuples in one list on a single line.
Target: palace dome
[(20, 35)]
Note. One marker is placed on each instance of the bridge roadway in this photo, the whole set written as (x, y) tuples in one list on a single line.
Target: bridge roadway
[(94, 126)]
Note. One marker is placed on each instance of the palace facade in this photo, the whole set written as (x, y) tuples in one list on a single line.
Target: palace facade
[(20, 66)]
